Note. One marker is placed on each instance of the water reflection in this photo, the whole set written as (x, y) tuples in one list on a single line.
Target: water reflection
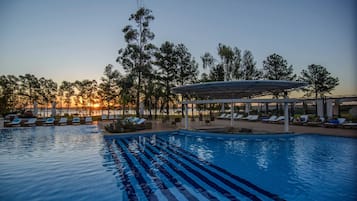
[(294, 166)]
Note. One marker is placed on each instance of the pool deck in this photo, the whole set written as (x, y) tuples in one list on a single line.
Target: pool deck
[(255, 127)]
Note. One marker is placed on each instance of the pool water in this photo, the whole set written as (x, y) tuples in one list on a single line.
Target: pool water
[(78, 163)]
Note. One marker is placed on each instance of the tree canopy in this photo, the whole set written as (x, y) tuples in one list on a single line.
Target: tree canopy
[(320, 81)]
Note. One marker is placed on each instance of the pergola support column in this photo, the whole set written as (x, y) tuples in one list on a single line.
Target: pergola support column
[(186, 116), (232, 110), (286, 113)]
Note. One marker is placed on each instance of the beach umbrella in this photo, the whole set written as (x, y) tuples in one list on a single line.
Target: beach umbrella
[(35, 108), (53, 110)]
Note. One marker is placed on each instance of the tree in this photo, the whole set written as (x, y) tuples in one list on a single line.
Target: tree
[(227, 55), (207, 60), (275, 67), (204, 77), (125, 84), (48, 91), (136, 57), (109, 88), (237, 59), (187, 68), (319, 81), (217, 73), (29, 89), (186, 64), (66, 90), (8, 93), (249, 70), (86, 95), (166, 60)]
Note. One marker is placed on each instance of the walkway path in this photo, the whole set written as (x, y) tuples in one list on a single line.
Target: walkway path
[(256, 127)]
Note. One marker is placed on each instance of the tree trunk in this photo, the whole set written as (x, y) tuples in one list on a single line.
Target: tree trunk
[(138, 96)]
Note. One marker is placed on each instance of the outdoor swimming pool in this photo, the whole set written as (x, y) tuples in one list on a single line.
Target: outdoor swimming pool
[(78, 163)]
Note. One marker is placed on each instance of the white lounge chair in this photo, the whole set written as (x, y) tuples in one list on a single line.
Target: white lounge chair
[(15, 122), (222, 116), (253, 118), (239, 116), (350, 125), (31, 122), (88, 120), (62, 121), (140, 124), (140, 121), (279, 119), (270, 119), (247, 117), (228, 116), (111, 117), (335, 123), (50, 121), (76, 121), (304, 118)]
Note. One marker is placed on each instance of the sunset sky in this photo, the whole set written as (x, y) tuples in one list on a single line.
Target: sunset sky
[(75, 39)]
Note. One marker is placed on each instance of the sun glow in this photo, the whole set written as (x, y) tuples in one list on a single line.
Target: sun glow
[(96, 105)]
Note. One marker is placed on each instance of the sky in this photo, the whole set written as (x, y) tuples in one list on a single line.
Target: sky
[(75, 39)]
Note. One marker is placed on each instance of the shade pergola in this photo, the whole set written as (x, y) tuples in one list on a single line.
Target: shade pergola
[(238, 91)]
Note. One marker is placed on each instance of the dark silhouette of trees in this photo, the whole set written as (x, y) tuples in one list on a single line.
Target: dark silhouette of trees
[(249, 70), (276, 68), (29, 89), (108, 89), (66, 91), (320, 81), (47, 92), (136, 57), (8, 93), (166, 61)]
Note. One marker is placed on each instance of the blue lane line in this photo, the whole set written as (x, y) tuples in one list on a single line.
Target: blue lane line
[(152, 157), (237, 178), (214, 174), (123, 177), (164, 189), (199, 172), (178, 171), (150, 195), (223, 191), (165, 175)]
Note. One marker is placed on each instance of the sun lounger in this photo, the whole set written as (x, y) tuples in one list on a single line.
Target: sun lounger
[(350, 125), (15, 122), (31, 122), (247, 117), (239, 116), (62, 121), (140, 124), (279, 119), (317, 122), (50, 121), (222, 116), (302, 120), (104, 117), (111, 117), (253, 118), (270, 119), (88, 120), (76, 121), (335, 122)]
